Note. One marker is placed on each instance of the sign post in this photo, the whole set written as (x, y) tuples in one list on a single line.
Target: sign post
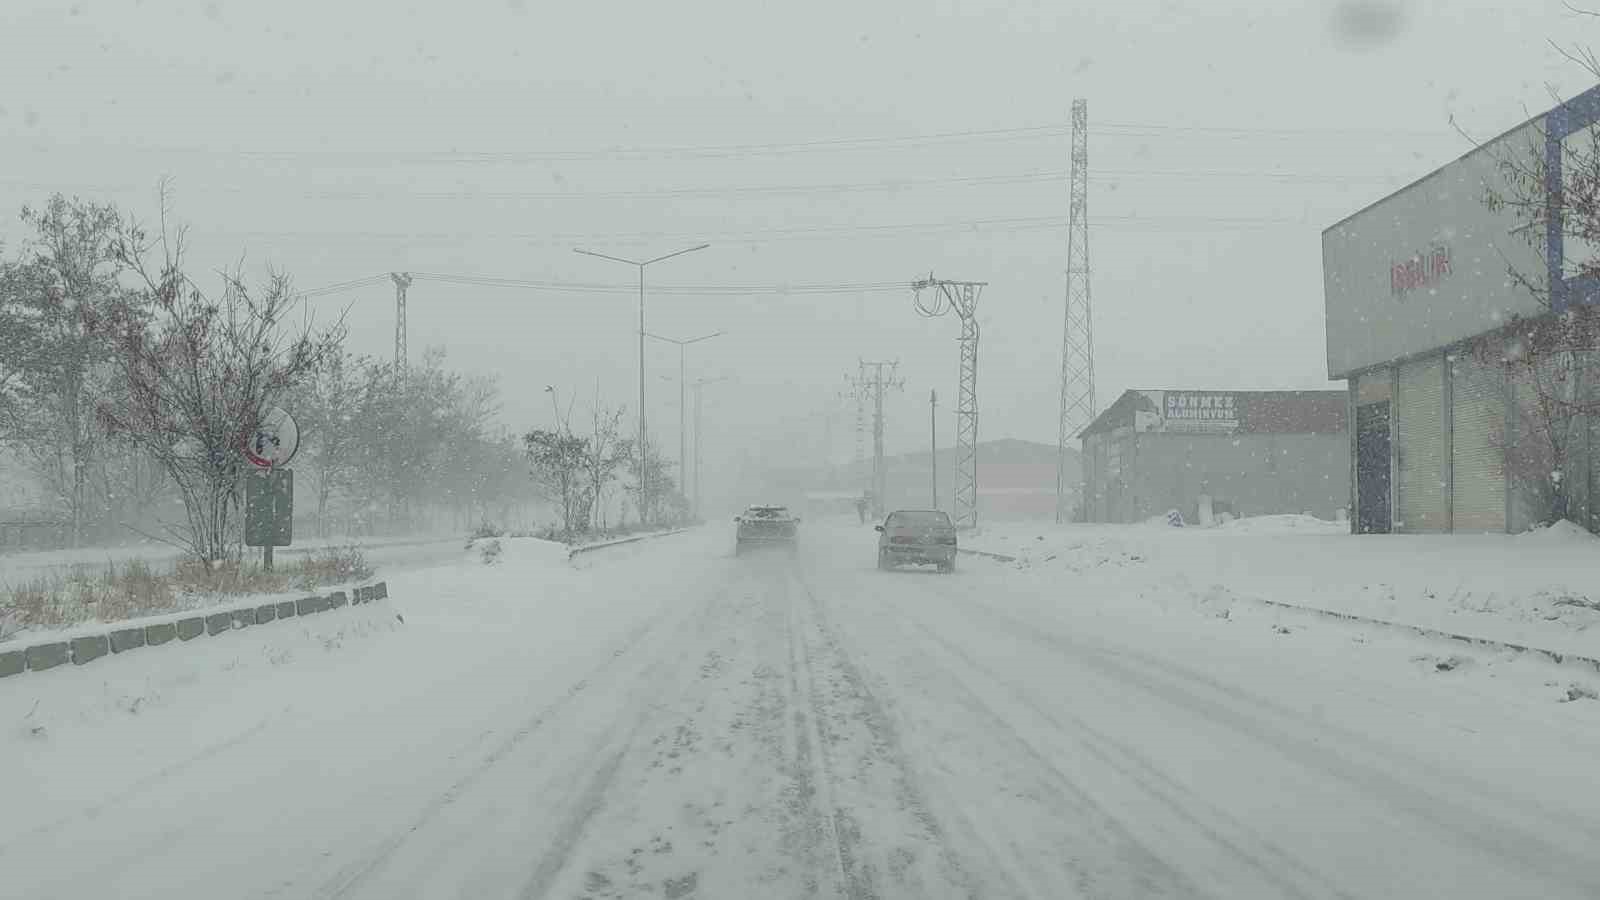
[(269, 493), (269, 511)]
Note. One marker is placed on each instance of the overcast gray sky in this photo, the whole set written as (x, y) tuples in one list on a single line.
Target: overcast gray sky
[(343, 139)]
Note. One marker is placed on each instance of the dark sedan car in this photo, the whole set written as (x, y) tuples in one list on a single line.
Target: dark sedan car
[(767, 526), (917, 536)]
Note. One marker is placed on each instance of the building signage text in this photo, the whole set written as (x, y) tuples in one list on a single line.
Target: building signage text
[(1423, 270), (1195, 411)]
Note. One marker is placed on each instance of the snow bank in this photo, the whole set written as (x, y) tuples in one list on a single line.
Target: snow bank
[(1284, 524), (1562, 532), (1536, 589)]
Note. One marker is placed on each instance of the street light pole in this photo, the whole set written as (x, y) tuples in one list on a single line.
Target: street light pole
[(555, 404), (640, 265), (933, 441), (683, 400)]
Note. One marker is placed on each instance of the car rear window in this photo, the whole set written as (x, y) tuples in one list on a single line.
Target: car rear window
[(919, 517)]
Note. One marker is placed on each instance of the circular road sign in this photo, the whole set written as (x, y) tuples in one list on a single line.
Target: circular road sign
[(275, 440)]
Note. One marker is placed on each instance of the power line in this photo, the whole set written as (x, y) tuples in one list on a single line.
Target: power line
[(709, 151), (342, 286), (1165, 127), (697, 290), (717, 151), (885, 185), (617, 288), (994, 225)]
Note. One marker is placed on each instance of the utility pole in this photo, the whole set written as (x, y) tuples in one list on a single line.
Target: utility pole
[(644, 492), (962, 298), (876, 386), (683, 400), (1077, 332), (402, 280), (933, 442)]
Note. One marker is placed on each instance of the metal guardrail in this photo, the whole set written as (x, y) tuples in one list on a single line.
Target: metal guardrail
[(1001, 557), (631, 539)]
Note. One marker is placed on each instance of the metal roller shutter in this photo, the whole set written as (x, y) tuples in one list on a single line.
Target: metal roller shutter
[(1479, 415), (1420, 434)]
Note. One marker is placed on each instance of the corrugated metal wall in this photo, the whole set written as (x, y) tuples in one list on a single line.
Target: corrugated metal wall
[(1479, 414), (1419, 434), (1256, 474)]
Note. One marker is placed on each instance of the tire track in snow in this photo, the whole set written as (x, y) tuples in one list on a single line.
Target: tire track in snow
[(1530, 852), (846, 680), (671, 670), (1175, 686), (1151, 877), (813, 779), (142, 784), (350, 877), (590, 799), (1176, 798), (1066, 787), (1266, 712)]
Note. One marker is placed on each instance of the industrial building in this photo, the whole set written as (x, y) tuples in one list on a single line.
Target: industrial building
[(1206, 453), (1419, 290)]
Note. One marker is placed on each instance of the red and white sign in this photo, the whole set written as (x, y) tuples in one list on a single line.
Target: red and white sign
[(275, 440)]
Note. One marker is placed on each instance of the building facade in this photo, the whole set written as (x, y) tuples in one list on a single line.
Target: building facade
[(1247, 453), (1419, 289)]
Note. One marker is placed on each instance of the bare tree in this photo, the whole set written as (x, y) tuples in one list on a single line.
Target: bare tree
[(1550, 357), (323, 407), (558, 459), (201, 370), (658, 492), (606, 454), (65, 278)]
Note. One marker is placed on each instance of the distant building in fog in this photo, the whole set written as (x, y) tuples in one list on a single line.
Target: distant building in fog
[(1247, 453), (1016, 480)]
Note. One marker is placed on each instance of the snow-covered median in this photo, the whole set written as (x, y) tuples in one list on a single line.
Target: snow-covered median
[(1536, 589)]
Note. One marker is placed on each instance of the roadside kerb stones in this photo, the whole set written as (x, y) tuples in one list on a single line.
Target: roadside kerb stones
[(118, 640)]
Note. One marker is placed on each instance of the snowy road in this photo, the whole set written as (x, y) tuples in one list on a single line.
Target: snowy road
[(669, 721)]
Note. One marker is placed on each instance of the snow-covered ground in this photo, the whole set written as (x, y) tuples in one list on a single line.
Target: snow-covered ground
[(384, 555), (664, 720), (1537, 588), (408, 550)]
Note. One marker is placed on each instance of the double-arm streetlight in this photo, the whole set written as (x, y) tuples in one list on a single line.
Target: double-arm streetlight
[(683, 398), (640, 265)]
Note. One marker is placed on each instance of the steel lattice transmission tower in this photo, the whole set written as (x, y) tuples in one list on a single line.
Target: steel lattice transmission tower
[(402, 280), (961, 296), (1077, 332), (875, 386), (860, 397)]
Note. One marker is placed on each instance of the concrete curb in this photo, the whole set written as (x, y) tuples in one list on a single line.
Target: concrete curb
[(632, 539), (1552, 655), (123, 637)]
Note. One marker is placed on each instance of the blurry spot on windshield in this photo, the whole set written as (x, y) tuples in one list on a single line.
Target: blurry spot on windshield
[(1365, 24)]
